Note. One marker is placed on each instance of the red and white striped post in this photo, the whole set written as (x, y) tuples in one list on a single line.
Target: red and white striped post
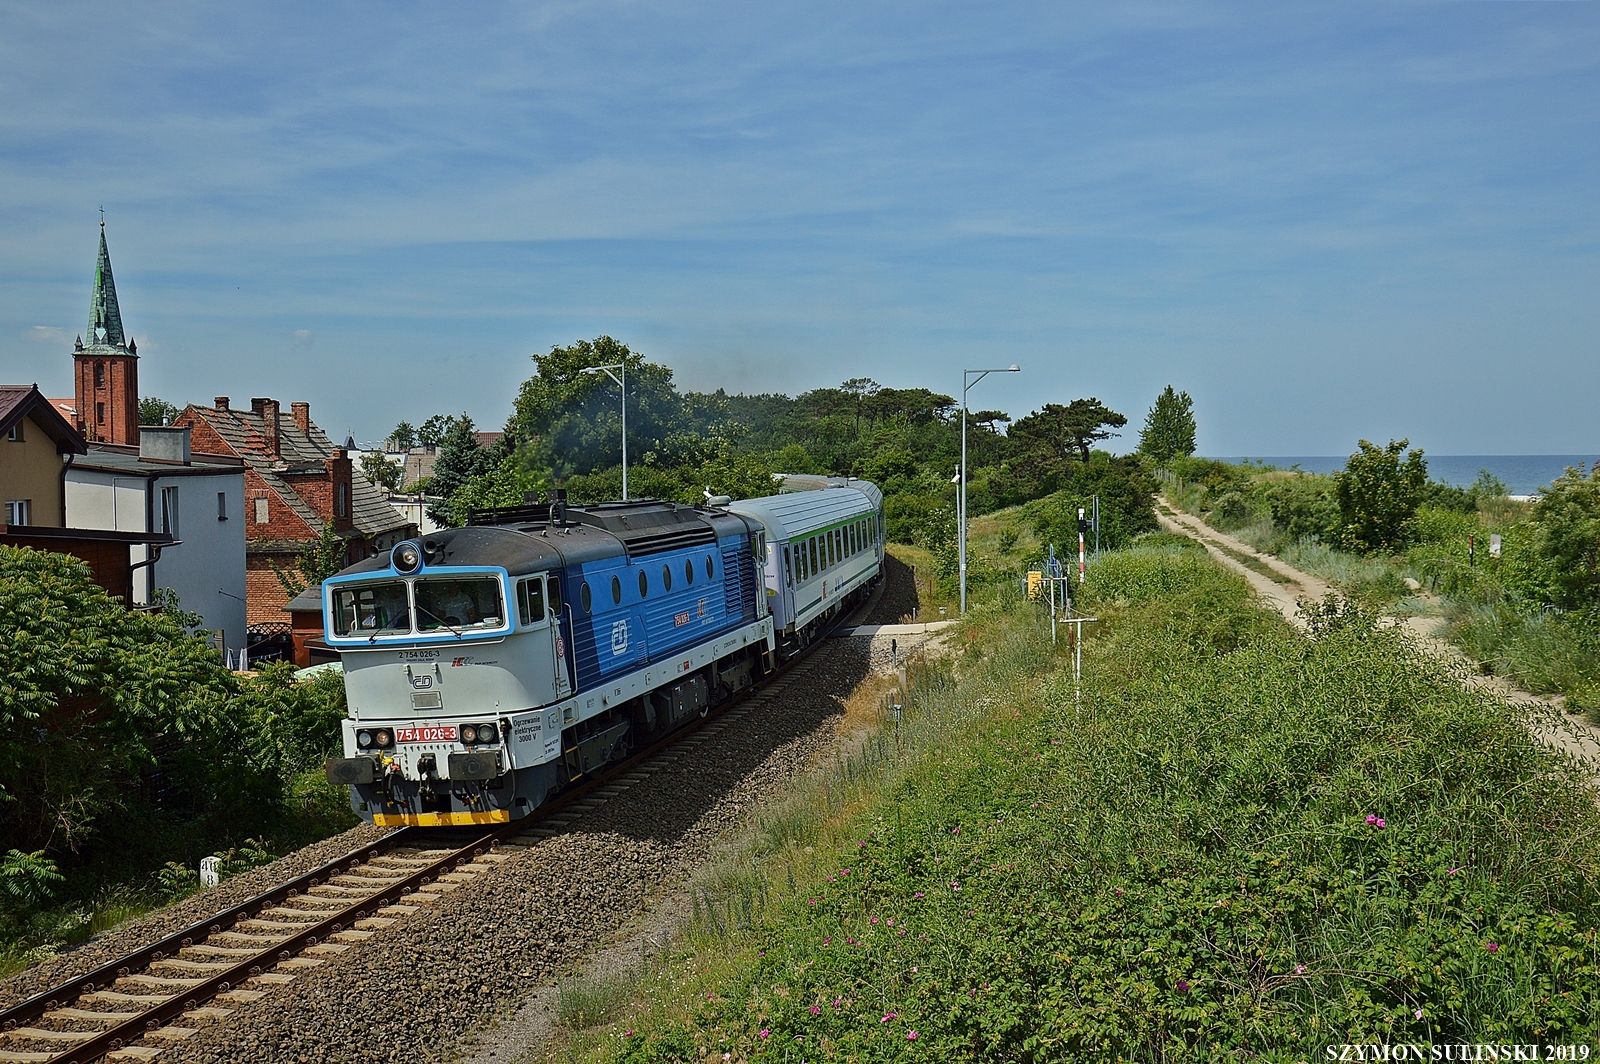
[(1080, 547)]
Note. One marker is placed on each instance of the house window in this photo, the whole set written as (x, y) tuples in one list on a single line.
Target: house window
[(169, 511), (99, 374), (261, 510), (14, 433), (99, 413), (222, 506), (341, 501), (17, 511)]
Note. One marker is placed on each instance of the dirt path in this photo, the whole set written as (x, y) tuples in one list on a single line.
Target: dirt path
[(1283, 586)]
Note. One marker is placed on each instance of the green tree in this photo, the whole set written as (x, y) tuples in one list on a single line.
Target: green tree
[(433, 430), (154, 411), (574, 418), (380, 472), (461, 457), (1378, 494), (1169, 427), (322, 560), (404, 437), (507, 484), (1070, 429), (1568, 518)]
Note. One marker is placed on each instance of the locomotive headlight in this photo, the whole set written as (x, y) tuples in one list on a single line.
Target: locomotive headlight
[(469, 733), (486, 733), (406, 557), (363, 739), (382, 738)]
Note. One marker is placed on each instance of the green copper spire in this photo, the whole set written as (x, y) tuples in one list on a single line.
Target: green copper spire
[(105, 319)]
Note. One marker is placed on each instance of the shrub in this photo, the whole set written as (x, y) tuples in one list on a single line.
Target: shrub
[(1378, 494), (1303, 507), (1568, 516)]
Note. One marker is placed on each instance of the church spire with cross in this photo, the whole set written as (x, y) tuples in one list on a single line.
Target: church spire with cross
[(106, 369), (105, 317)]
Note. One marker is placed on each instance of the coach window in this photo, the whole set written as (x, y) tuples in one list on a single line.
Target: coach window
[(688, 570), (788, 565), (811, 556), (666, 578), (555, 598), (583, 596), (644, 584), (616, 591), (530, 601)]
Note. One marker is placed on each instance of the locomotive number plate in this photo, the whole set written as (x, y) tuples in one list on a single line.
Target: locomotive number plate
[(445, 734)]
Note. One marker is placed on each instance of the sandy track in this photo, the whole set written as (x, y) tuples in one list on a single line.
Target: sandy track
[(1547, 717)]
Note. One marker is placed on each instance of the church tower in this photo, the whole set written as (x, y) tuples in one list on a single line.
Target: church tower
[(106, 369)]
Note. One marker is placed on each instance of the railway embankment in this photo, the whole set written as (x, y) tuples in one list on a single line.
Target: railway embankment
[(1234, 838)]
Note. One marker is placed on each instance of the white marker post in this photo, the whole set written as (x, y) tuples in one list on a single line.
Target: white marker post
[(1081, 566)]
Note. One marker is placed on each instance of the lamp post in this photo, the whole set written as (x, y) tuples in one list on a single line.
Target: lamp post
[(961, 494), (622, 382)]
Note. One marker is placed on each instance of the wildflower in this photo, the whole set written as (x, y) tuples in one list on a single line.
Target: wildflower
[(1419, 1014), (1492, 947), (727, 1056), (826, 942), (861, 845), (836, 1002), (1299, 969), (710, 997), (1183, 987), (889, 1016), (816, 1010), (813, 901), (902, 932), (628, 1033), (1120, 892), (845, 872), (911, 1036), (1380, 825), (913, 971), (891, 922), (873, 920), (1371, 820), (956, 887), (765, 1033), (918, 894), (955, 831)]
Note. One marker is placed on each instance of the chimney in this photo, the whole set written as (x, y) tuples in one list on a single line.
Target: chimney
[(302, 417), (222, 402), (164, 444), (268, 411)]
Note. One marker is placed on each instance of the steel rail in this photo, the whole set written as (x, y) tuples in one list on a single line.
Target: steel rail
[(235, 977)]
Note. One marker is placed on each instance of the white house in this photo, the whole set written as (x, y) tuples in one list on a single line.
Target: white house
[(198, 499)]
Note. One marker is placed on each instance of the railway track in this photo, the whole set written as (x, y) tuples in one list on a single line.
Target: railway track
[(162, 992)]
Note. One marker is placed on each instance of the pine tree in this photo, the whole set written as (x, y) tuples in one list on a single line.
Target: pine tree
[(1169, 427)]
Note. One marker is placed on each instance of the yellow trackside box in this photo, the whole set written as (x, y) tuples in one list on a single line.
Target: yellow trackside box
[(1035, 585)]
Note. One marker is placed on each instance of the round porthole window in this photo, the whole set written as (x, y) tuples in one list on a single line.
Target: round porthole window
[(616, 591), (666, 578), (708, 567), (688, 571), (644, 584), (583, 596)]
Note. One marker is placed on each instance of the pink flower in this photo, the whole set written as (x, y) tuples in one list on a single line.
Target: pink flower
[(1491, 947), (765, 1033), (1183, 987), (889, 1016), (911, 1036), (836, 1002), (628, 1033), (1120, 892), (902, 932), (891, 921), (816, 1010), (873, 920), (813, 901), (1371, 819), (918, 894), (861, 845), (1419, 1014), (913, 970), (955, 831), (845, 872), (1380, 825), (955, 886), (1299, 969), (827, 941)]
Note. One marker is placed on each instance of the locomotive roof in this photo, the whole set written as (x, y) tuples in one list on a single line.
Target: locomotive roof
[(802, 512)]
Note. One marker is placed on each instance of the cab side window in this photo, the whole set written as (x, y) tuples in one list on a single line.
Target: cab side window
[(555, 597), (530, 600)]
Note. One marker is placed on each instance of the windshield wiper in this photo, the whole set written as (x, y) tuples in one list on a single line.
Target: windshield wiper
[(423, 609)]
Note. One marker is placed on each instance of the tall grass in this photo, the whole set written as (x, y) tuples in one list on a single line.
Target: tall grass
[(1189, 859)]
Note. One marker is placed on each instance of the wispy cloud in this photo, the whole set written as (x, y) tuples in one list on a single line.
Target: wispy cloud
[(47, 334)]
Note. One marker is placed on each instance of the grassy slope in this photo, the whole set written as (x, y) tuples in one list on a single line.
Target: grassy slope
[(1183, 862)]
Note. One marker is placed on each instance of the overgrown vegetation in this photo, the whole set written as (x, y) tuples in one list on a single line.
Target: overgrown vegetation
[(128, 752), (1530, 612), (565, 432), (1266, 845)]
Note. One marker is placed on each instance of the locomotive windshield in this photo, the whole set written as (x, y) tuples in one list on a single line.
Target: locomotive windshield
[(371, 609), (463, 603)]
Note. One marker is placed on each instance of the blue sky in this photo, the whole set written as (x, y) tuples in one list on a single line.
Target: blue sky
[(1324, 221)]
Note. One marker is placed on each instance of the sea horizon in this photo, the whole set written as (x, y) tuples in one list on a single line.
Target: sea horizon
[(1523, 474)]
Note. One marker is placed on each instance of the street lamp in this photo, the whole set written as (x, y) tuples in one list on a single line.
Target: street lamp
[(961, 495), (622, 382)]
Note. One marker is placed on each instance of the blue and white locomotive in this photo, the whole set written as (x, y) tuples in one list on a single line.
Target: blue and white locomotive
[(489, 666)]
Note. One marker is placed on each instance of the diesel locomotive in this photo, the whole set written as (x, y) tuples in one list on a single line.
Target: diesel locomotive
[(489, 666)]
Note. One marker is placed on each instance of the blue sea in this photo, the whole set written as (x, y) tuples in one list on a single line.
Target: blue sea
[(1524, 474)]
